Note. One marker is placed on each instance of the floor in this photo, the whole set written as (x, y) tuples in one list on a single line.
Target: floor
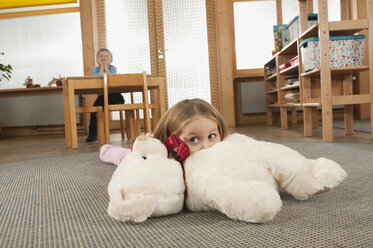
[(23, 148)]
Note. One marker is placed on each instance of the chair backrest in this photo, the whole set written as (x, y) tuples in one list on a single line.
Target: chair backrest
[(126, 83)]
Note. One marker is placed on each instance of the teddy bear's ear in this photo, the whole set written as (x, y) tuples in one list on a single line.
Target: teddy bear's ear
[(141, 138), (144, 146)]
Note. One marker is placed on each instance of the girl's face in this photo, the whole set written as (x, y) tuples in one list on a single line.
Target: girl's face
[(200, 133), (104, 57)]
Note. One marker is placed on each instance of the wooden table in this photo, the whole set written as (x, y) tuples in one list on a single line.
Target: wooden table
[(94, 85), (41, 91)]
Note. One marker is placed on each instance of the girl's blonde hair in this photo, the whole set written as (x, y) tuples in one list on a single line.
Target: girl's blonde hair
[(182, 113)]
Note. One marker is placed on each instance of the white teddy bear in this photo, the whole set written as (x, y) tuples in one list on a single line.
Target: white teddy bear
[(241, 177), (146, 184)]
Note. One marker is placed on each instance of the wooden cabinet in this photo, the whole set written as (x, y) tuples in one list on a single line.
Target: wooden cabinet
[(326, 87)]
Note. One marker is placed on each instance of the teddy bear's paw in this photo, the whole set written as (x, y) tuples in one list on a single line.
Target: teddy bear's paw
[(252, 201), (136, 208), (169, 204), (323, 175), (329, 174)]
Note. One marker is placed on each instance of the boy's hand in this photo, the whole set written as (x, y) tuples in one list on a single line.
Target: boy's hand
[(104, 67)]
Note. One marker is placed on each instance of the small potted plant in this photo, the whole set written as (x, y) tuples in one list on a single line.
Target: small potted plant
[(5, 73), (5, 70)]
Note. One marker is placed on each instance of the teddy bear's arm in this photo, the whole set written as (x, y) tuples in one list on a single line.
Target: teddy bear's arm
[(297, 175), (250, 201)]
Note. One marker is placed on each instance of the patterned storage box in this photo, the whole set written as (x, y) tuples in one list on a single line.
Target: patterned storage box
[(344, 51), (292, 30), (277, 35)]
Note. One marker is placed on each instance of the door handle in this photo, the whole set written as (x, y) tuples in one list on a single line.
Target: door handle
[(162, 50)]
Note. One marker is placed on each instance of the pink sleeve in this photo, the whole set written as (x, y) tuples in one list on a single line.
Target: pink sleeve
[(113, 154)]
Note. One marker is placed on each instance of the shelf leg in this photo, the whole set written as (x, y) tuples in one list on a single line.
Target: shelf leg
[(315, 117), (349, 119), (325, 75), (269, 116), (369, 7), (293, 115), (284, 117), (327, 124), (307, 121), (348, 109)]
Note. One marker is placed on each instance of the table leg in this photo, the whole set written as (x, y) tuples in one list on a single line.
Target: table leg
[(66, 108), (74, 133)]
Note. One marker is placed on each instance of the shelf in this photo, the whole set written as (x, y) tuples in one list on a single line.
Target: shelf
[(290, 49), (346, 27), (275, 105), (316, 72), (310, 32), (292, 105), (293, 86), (351, 99), (271, 91), (290, 70), (311, 104), (340, 100), (273, 77)]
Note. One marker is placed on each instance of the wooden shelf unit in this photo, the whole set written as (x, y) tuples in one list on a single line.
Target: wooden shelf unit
[(270, 87), (325, 87), (288, 52)]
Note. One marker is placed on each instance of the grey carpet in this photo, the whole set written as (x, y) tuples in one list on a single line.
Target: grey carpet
[(62, 201)]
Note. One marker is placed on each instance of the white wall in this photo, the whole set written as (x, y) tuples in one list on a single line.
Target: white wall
[(42, 47)]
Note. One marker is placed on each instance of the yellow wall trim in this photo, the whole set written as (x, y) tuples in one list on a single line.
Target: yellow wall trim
[(8, 4)]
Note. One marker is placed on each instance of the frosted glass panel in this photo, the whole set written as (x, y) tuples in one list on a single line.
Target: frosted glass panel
[(128, 39), (128, 35), (334, 9), (41, 47), (290, 9), (187, 62), (253, 22)]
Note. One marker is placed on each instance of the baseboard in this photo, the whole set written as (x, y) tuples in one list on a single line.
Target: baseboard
[(35, 130)]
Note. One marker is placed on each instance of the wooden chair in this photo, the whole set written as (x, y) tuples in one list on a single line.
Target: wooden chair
[(69, 87), (137, 83), (133, 122), (99, 118)]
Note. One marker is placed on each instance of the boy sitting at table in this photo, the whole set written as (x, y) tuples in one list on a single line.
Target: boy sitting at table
[(104, 60)]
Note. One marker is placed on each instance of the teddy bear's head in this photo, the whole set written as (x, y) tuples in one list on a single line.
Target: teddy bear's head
[(146, 184)]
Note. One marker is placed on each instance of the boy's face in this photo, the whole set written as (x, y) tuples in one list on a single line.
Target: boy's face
[(104, 57), (200, 133)]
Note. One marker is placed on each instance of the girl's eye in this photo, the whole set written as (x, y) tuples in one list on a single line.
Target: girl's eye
[(194, 139), (212, 136)]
